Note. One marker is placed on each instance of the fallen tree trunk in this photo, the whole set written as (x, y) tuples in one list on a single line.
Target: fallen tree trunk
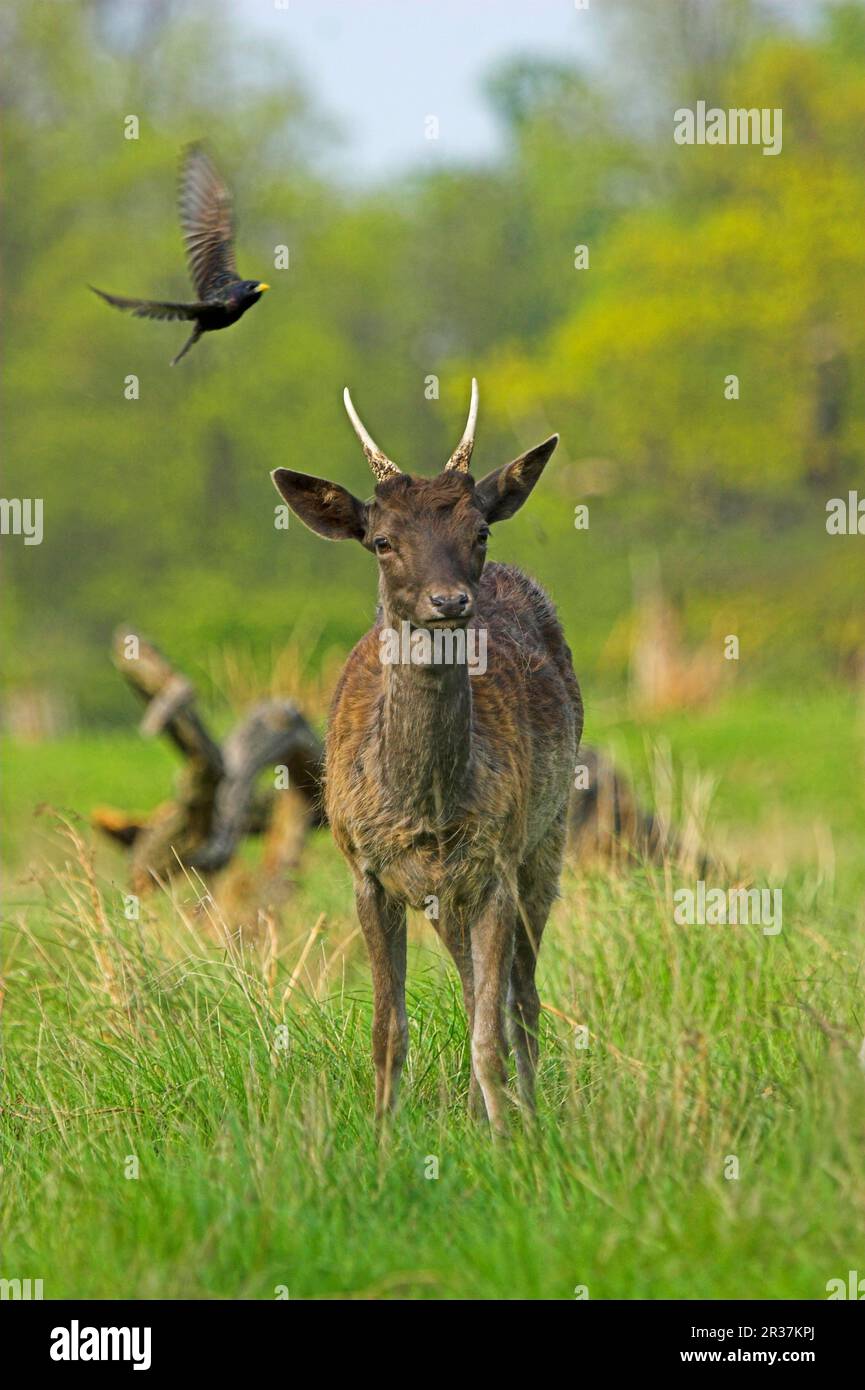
[(217, 802)]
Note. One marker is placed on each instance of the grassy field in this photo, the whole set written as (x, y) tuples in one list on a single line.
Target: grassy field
[(186, 1100)]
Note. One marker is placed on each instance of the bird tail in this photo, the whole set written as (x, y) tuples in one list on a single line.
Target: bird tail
[(141, 308), (190, 342)]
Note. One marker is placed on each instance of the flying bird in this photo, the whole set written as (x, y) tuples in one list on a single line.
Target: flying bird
[(208, 232)]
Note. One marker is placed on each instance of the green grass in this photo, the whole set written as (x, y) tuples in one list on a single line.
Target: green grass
[(258, 1166)]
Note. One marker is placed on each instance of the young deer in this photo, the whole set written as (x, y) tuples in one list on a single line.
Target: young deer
[(443, 786)]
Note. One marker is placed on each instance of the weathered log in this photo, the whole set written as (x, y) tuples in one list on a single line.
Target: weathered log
[(163, 840), (169, 698), (216, 802), (607, 820), (274, 734)]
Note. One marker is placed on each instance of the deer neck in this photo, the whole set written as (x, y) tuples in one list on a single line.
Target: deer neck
[(426, 733)]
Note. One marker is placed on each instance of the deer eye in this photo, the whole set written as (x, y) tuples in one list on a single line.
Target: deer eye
[(382, 545), (484, 535)]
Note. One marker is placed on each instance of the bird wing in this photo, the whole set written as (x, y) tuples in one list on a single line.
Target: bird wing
[(208, 224), (152, 308)]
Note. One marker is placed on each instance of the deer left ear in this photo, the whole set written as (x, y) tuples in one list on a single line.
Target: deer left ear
[(503, 492), (326, 508)]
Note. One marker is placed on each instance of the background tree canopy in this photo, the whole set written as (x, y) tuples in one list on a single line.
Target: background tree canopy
[(704, 262)]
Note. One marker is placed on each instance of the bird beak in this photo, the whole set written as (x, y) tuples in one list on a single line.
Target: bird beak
[(259, 289)]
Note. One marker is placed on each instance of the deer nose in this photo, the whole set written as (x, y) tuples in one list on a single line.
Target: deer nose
[(452, 605)]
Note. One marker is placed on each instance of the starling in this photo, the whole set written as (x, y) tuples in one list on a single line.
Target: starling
[(208, 231)]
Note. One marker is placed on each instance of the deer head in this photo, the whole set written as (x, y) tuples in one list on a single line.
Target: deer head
[(429, 535)]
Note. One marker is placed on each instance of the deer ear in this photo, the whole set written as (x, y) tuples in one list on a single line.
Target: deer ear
[(503, 492), (326, 508)]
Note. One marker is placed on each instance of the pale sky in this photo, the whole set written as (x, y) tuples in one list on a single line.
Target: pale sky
[(381, 66)]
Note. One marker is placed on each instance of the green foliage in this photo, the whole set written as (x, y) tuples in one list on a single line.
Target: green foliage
[(704, 262)]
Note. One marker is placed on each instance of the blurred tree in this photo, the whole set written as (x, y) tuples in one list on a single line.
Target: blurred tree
[(704, 263)]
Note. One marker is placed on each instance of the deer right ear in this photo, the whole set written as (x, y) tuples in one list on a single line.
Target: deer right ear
[(503, 492), (326, 508)]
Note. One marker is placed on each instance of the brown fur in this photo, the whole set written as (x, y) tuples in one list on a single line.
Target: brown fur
[(445, 786)]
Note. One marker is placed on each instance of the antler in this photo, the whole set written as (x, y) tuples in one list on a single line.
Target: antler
[(461, 457), (381, 465)]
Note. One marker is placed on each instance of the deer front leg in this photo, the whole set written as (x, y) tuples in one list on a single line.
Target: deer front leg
[(457, 938), (492, 940), (382, 921)]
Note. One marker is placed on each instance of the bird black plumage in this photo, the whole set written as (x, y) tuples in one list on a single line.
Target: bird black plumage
[(207, 223)]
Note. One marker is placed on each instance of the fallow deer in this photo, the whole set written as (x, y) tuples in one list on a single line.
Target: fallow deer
[(442, 785)]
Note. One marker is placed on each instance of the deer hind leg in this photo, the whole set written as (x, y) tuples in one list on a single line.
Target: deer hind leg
[(492, 944), (538, 882), (457, 938), (383, 923)]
